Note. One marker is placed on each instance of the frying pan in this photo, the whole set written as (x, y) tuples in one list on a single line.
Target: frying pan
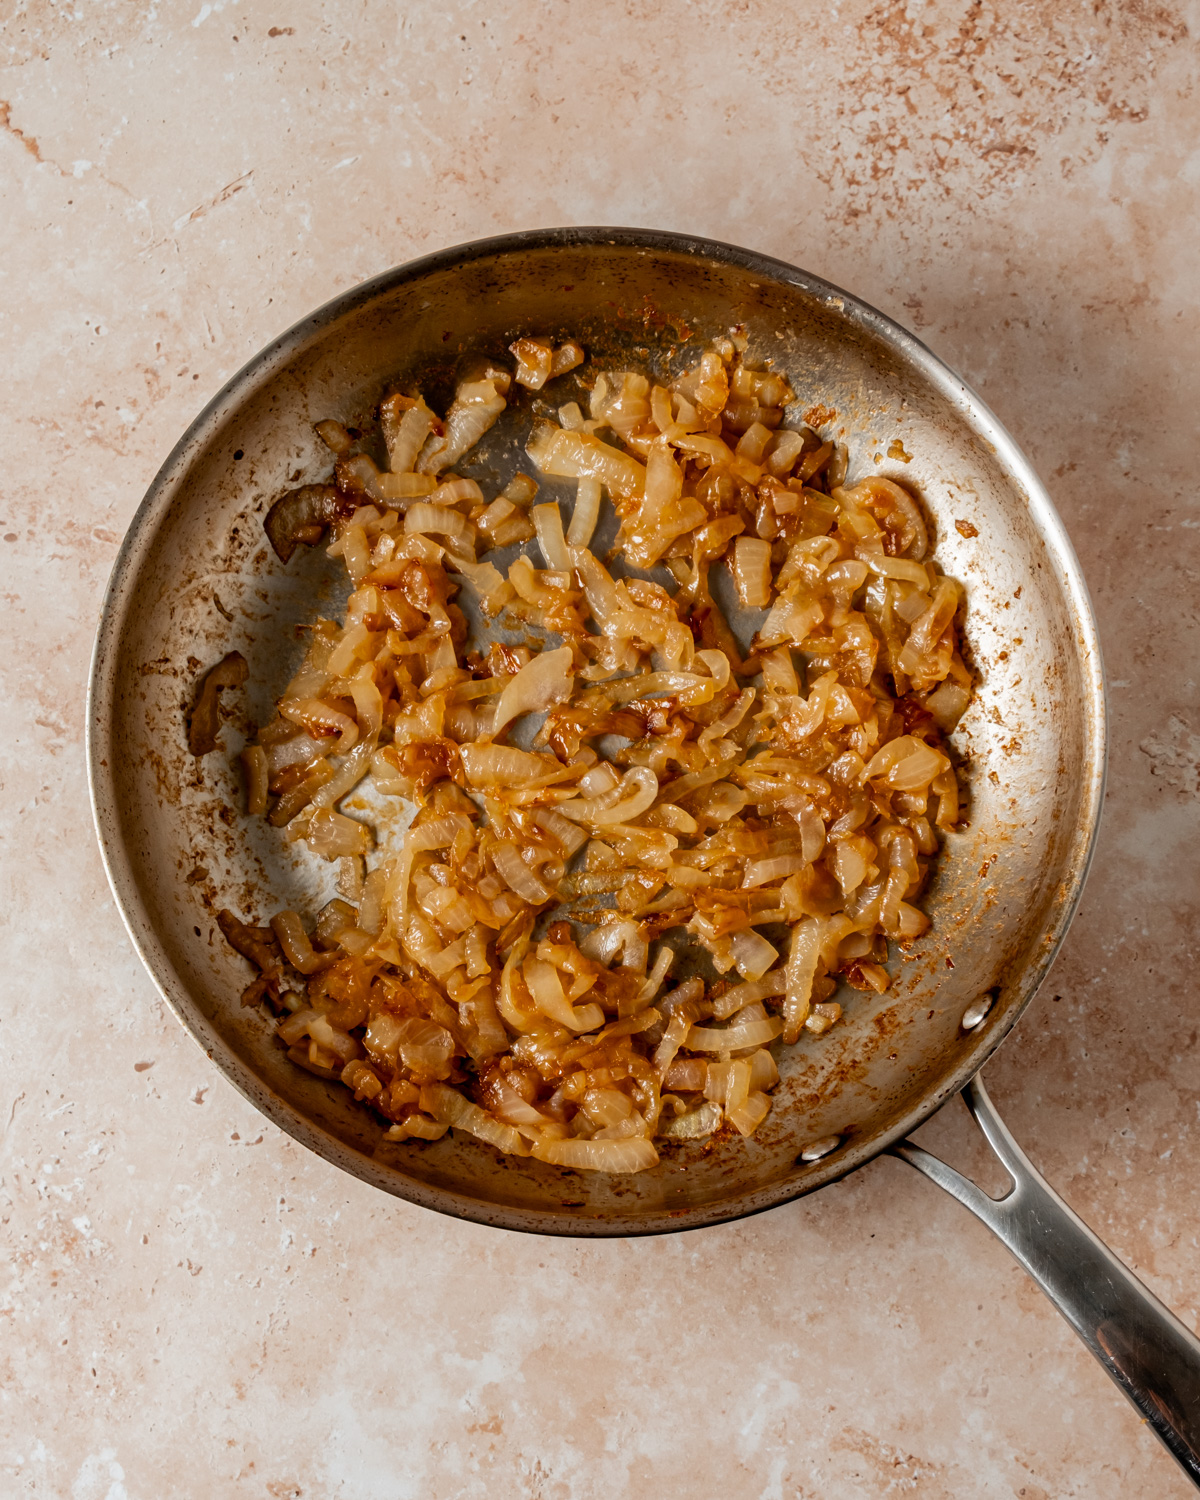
[(194, 579)]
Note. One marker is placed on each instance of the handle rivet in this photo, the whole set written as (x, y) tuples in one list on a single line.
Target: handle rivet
[(976, 1011), (821, 1148)]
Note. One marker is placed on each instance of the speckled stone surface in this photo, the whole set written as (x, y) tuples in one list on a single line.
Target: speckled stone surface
[(190, 1304)]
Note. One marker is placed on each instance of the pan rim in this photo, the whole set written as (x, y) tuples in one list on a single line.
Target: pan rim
[(151, 513)]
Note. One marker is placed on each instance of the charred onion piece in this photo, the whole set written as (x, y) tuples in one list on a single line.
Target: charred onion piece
[(258, 944), (204, 720), (300, 517)]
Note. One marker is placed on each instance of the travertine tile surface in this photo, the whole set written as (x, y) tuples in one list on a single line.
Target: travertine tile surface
[(193, 1305)]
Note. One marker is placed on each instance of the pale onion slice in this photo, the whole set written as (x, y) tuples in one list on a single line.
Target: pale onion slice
[(505, 765), (803, 957), (513, 1110), (340, 1043), (333, 836), (751, 570), (733, 1038), (293, 939), (356, 766), (535, 359), (417, 1126), (656, 976), (752, 954), (476, 405), (539, 685), (905, 764), (437, 520), (730, 719), (517, 875), (292, 1028), (425, 1047), (622, 936), (927, 630), (316, 716), (565, 834), (749, 1115), (545, 986), (633, 1154), (448, 1107), (547, 522), (673, 1038), (636, 792), (606, 599), (761, 871), (437, 833), (493, 588), (764, 1074), (568, 356), (392, 490), (406, 423), (947, 704), (741, 995), (892, 567), (701, 1121), (578, 455), (586, 512)]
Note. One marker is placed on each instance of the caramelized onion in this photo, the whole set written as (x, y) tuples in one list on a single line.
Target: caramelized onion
[(791, 792)]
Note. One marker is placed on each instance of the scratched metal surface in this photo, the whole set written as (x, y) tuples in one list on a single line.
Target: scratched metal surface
[(195, 579)]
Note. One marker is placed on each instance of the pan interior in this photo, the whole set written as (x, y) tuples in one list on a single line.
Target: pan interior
[(196, 579)]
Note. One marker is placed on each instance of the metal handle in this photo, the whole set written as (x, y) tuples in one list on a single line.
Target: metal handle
[(1144, 1347)]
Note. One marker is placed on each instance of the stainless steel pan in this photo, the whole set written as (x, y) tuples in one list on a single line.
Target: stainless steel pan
[(195, 578)]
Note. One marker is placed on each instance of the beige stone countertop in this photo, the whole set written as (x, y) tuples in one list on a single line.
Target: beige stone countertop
[(193, 1305)]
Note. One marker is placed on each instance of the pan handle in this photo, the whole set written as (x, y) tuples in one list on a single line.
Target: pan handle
[(1144, 1347)]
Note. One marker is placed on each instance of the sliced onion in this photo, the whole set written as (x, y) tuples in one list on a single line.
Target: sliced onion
[(578, 455), (752, 954), (905, 764), (477, 404), (333, 836), (436, 519), (749, 1115), (334, 1040), (634, 1154), (565, 834), (513, 870), (392, 490), (505, 765), (741, 995), (637, 790), (656, 976), (694, 1123), (293, 939), (356, 766), (803, 957), (539, 685), (893, 567), (734, 1038), (312, 714), (448, 1107), (547, 521), (761, 871), (406, 422), (437, 833), (455, 491), (514, 1110), (586, 512), (425, 1048), (752, 571), (947, 704)]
